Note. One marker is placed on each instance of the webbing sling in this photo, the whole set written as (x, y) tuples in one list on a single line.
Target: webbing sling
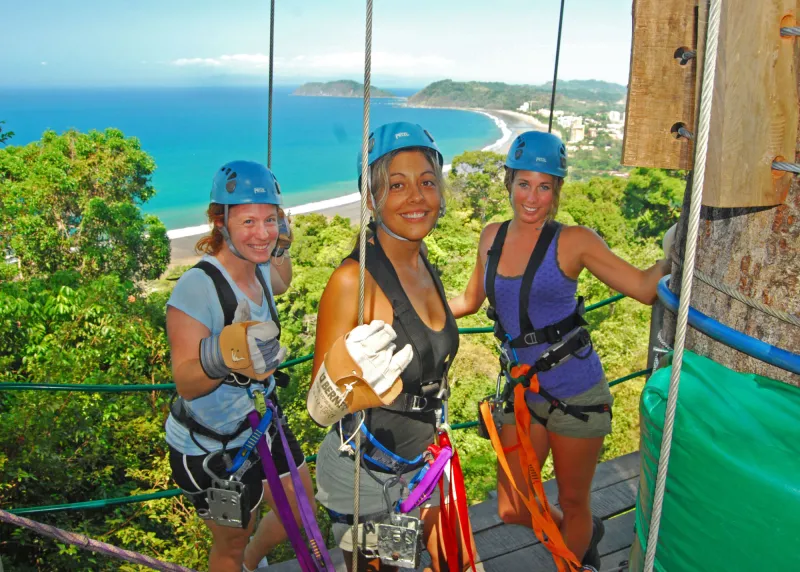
[(528, 335), (534, 496), (457, 514)]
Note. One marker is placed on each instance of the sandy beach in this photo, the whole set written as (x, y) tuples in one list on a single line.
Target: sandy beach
[(511, 124)]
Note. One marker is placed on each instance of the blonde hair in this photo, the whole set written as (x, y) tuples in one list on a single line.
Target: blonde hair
[(508, 181), (212, 243), (379, 175)]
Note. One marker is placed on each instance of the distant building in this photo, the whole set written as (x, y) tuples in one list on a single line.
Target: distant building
[(525, 107), (577, 133), (614, 117)]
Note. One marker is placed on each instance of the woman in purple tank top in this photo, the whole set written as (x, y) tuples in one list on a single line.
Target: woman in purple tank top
[(535, 169)]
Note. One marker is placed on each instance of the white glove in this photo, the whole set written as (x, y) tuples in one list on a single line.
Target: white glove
[(265, 349), (360, 371), (370, 346)]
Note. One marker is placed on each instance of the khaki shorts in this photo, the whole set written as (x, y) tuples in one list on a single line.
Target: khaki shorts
[(335, 492), (598, 425)]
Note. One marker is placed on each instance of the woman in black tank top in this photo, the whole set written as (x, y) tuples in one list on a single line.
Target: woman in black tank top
[(403, 290)]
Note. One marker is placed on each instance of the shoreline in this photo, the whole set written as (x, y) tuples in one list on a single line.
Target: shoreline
[(510, 123)]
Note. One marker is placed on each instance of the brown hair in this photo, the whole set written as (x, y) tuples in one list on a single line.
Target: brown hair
[(508, 181), (212, 243)]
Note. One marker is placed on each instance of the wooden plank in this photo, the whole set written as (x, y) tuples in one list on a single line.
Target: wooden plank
[(661, 91), (615, 560), (755, 107), (484, 515), (618, 536), (606, 502)]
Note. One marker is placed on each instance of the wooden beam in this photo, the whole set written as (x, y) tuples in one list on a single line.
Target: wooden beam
[(755, 108), (661, 91)]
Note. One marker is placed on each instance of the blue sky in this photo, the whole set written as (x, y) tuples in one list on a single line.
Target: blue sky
[(196, 42)]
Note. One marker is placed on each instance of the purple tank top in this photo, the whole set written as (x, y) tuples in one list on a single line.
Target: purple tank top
[(552, 299)]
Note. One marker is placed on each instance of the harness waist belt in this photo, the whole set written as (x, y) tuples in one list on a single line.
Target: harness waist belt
[(183, 416), (337, 517), (551, 334), (409, 403)]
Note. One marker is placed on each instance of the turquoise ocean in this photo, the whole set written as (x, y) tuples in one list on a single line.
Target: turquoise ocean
[(190, 132)]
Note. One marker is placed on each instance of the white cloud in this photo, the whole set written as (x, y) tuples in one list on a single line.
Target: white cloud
[(196, 62), (339, 62), (44, 63)]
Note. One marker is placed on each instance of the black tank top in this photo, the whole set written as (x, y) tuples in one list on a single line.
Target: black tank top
[(408, 434)]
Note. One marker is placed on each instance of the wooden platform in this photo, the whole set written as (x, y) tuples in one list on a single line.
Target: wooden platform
[(507, 548)]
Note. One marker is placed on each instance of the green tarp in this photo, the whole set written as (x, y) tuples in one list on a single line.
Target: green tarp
[(732, 498)]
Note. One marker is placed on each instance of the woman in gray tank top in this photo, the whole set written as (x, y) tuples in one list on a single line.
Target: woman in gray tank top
[(405, 197)]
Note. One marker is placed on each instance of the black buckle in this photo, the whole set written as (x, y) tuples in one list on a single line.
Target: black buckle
[(491, 313), (552, 334), (282, 379)]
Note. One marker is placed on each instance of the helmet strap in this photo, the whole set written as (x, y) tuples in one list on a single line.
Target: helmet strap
[(227, 236)]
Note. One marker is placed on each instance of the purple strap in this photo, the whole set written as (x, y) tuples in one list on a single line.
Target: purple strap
[(424, 489), (282, 505), (318, 549)]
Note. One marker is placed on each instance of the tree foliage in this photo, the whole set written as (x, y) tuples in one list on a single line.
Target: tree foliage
[(572, 96), (653, 200), (72, 202), (4, 137)]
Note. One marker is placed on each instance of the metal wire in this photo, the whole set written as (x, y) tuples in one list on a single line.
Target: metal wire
[(790, 31), (555, 70), (271, 51), (788, 167), (736, 295), (701, 152), (685, 133), (362, 258)]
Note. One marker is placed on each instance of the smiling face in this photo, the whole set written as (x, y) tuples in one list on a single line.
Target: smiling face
[(409, 194), (534, 196), (254, 230)]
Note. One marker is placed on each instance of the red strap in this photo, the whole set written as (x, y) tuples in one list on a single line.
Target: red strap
[(458, 514)]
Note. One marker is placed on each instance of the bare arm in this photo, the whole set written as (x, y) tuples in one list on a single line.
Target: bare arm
[(470, 301), (615, 272), (280, 275), (338, 311), (185, 333)]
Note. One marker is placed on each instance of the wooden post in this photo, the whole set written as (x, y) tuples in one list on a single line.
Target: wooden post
[(755, 113), (661, 91), (750, 248)]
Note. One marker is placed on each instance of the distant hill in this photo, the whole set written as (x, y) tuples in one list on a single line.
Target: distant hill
[(341, 88), (577, 95)]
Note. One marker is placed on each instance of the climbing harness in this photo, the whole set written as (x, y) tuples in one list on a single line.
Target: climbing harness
[(400, 534)]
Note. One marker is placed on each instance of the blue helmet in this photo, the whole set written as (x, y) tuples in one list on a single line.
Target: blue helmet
[(540, 152), (244, 182), (398, 135)]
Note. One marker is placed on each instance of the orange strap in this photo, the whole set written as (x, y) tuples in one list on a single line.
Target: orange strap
[(543, 525)]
